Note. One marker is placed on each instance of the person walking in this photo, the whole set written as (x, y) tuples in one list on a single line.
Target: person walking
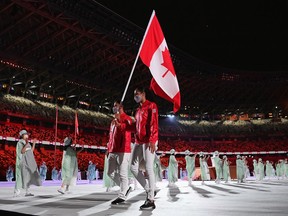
[(172, 169), (218, 163), (69, 168), (43, 171), (240, 169), (91, 172), (9, 174), (255, 169), (146, 139), (119, 151), (158, 170), (226, 169), (26, 171), (190, 166), (204, 169), (54, 174), (107, 181)]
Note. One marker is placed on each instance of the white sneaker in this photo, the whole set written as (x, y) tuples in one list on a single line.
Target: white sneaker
[(61, 191), (16, 193)]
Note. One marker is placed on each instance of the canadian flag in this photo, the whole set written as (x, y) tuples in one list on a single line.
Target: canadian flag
[(155, 54)]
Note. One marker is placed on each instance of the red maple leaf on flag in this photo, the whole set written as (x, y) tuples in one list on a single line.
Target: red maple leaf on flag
[(167, 62)]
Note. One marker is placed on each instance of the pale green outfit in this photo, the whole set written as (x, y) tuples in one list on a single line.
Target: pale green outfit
[(226, 170), (69, 168), (255, 169), (286, 168), (172, 169), (26, 171), (240, 169), (218, 167), (190, 166), (261, 169), (269, 169), (157, 169), (204, 169), (107, 181), (283, 167), (280, 169)]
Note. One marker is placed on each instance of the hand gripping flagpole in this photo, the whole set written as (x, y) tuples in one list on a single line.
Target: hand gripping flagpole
[(133, 68)]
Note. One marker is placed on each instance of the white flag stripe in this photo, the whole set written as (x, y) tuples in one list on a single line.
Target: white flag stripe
[(169, 83)]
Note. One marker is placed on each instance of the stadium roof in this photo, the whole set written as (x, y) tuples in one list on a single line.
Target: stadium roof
[(250, 35), (80, 51)]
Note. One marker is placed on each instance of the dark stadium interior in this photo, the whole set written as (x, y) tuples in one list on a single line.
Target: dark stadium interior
[(80, 54), (81, 51), (59, 58)]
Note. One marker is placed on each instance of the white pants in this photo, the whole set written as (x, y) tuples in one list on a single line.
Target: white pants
[(118, 165), (142, 154)]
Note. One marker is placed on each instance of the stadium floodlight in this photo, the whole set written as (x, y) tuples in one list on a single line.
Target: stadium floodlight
[(33, 86), (71, 96)]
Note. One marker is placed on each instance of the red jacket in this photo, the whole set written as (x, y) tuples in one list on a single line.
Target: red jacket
[(146, 118), (119, 137)]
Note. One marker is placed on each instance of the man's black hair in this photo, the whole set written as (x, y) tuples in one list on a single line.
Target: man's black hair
[(119, 102), (148, 93)]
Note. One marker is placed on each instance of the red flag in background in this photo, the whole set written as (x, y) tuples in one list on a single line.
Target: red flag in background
[(55, 137), (155, 55), (76, 126), (56, 124)]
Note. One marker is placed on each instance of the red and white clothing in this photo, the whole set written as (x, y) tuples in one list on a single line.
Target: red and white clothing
[(146, 124), (119, 149), (120, 137)]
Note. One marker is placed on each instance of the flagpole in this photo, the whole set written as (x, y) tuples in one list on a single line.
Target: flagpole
[(133, 68), (56, 127)]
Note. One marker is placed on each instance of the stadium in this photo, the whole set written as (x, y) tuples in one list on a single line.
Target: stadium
[(61, 57)]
